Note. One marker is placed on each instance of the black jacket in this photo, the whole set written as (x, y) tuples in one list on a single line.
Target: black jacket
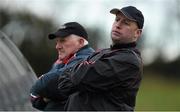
[(108, 80)]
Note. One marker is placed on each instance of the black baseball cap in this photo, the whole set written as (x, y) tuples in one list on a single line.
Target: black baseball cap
[(68, 29), (132, 13)]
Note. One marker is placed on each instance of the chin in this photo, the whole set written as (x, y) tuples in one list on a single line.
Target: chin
[(61, 57), (116, 41), (114, 37)]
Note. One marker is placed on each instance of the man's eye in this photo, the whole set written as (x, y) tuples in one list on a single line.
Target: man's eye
[(126, 22), (117, 19), (60, 40)]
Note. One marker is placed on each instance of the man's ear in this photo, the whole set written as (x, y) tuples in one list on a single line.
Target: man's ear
[(81, 42), (138, 33)]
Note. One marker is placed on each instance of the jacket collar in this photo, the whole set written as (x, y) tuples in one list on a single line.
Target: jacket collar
[(120, 46), (86, 50)]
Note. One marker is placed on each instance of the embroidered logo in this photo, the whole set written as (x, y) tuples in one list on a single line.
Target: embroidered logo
[(62, 27)]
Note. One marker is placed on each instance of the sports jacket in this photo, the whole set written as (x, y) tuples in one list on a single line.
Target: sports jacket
[(38, 90), (107, 80)]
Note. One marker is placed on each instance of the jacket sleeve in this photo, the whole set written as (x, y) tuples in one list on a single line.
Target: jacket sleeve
[(52, 90), (37, 90), (41, 83), (38, 102), (40, 86), (47, 85), (107, 73)]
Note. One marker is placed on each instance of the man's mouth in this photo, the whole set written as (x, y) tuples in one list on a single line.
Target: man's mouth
[(116, 33), (60, 52)]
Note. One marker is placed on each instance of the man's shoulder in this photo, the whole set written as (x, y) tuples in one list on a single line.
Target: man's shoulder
[(80, 56), (86, 50), (131, 56)]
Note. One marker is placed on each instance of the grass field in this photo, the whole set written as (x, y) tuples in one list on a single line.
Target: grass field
[(158, 94)]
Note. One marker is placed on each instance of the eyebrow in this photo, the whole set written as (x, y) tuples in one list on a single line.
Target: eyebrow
[(124, 19), (120, 15)]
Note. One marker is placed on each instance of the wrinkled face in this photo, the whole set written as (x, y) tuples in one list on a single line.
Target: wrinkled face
[(124, 30), (68, 45)]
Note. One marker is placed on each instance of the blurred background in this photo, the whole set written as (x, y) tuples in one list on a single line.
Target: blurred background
[(28, 22)]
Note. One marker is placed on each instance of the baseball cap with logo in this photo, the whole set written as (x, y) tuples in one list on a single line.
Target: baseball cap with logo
[(68, 29), (132, 13)]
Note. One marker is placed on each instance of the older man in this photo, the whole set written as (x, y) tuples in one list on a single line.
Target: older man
[(109, 79), (72, 46)]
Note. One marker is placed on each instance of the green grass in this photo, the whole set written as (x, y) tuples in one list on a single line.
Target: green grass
[(158, 94)]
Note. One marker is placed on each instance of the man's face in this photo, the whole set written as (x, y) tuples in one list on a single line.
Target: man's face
[(124, 30), (68, 45)]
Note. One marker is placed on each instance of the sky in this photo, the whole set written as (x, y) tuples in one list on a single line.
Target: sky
[(92, 13)]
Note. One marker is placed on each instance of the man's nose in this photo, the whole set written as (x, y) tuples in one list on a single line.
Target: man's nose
[(58, 46), (118, 24)]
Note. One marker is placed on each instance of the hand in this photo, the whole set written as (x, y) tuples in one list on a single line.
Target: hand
[(46, 99)]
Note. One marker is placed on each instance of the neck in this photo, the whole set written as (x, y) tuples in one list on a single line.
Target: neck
[(123, 45)]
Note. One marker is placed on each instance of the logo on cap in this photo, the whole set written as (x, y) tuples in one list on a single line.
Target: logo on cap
[(62, 27)]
